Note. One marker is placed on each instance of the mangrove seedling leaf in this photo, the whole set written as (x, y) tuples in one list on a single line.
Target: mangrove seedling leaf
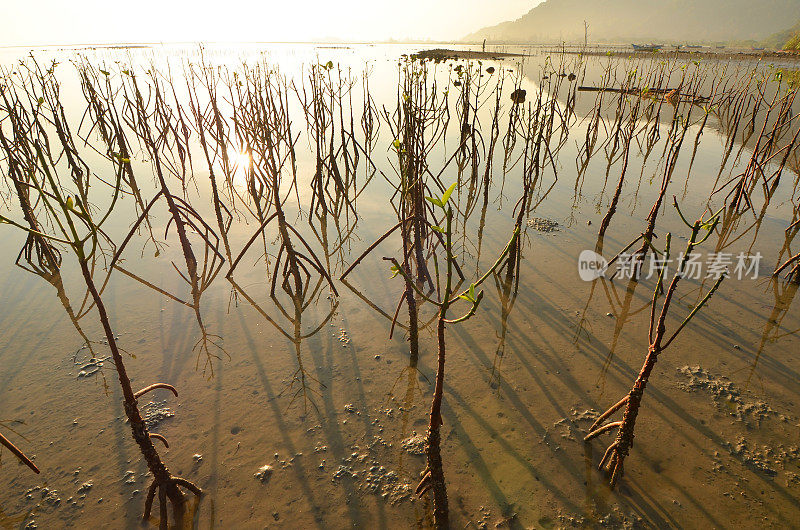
[(434, 200), (449, 192)]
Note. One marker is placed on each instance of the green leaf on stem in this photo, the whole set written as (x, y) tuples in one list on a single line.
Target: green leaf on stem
[(434, 200), (449, 192)]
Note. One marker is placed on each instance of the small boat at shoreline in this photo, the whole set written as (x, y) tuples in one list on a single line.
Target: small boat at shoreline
[(647, 47)]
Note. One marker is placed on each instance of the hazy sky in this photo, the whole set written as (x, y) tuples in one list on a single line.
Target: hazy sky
[(31, 22)]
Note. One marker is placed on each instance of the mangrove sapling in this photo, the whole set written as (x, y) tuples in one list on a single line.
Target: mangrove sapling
[(327, 102), (339, 203), (708, 110), (614, 457), (766, 147), (370, 117), (418, 124), (263, 126), (104, 117), (672, 149), (433, 476), (415, 229), (71, 217), (494, 135)]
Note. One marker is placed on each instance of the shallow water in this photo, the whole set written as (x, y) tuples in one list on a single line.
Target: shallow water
[(336, 413)]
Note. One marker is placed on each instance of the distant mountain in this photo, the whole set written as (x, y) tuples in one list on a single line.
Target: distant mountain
[(646, 20), (788, 39)]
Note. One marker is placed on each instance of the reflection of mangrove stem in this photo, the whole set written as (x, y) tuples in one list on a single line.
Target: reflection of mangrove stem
[(612, 208), (794, 272), (42, 258)]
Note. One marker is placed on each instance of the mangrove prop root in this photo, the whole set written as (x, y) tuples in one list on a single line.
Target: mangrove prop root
[(601, 430), (614, 457), (19, 454), (161, 438), (621, 403), (165, 386), (167, 489)]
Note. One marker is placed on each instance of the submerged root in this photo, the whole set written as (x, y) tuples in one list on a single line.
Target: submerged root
[(614, 456), (168, 489)]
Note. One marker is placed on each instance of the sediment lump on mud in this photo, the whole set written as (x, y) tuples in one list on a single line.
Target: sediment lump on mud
[(416, 444), (264, 473), (155, 412), (728, 395), (541, 224)]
